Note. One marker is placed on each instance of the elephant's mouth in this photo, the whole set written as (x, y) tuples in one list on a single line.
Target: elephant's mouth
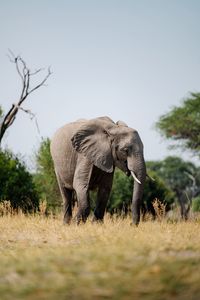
[(130, 172), (127, 171)]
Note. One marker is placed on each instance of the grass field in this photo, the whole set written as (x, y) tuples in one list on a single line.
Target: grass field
[(42, 259)]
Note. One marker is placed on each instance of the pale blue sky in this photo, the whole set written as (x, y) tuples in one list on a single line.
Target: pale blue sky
[(131, 60)]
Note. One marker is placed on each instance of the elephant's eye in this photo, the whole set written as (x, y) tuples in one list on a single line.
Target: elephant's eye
[(125, 150)]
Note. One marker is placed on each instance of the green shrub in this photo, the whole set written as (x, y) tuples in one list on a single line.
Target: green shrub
[(16, 183)]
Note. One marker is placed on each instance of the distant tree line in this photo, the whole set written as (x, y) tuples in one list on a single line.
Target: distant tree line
[(174, 179)]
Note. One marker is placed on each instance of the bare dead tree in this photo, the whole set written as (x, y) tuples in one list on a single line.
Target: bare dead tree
[(26, 75)]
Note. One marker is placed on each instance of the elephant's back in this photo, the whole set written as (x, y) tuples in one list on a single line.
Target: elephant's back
[(63, 154)]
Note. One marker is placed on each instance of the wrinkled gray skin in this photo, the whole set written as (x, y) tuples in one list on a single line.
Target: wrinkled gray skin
[(85, 154)]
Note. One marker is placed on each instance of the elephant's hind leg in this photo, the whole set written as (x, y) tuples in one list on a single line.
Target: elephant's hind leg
[(81, 186), (67, 207), (67, 201), (102, 197)]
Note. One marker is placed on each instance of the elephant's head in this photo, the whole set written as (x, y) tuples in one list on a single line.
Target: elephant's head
[(107, 144)]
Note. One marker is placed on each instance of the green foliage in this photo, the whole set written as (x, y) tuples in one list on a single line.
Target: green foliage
[(196, 204), (176, 173), (45, 178), (183, 123), (121, 195), (16, 183)]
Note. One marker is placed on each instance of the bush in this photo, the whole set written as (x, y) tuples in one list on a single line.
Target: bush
[(16, 183), (196, 204)]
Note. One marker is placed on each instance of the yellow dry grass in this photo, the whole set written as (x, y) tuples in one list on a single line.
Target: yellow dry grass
[(42, 259)]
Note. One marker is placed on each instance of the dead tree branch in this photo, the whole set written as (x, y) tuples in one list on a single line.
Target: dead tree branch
[(26, 75)]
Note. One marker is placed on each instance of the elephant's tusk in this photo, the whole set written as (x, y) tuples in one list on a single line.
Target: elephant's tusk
[(135, 178)]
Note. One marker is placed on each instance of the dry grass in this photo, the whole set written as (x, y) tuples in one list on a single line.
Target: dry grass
[(160, 209), (42, 259)]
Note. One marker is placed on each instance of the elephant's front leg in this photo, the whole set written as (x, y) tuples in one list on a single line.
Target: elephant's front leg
[(103, 196), (83, 204)]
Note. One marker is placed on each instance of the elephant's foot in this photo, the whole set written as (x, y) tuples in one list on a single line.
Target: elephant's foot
[(97, 220), (67, 221), (82, 216), (134, 224)]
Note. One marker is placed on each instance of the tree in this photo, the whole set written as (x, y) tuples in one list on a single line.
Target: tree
[(181, 177), (25, 75), (183, 123), (16, 183), (45, 179)]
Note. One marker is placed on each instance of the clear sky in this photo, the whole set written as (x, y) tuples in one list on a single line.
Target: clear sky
[(132, 60)]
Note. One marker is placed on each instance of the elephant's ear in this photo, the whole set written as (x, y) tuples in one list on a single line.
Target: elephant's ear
[(94, 142)]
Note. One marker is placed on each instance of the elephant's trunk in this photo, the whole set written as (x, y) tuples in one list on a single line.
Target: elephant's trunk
[(139, 170)]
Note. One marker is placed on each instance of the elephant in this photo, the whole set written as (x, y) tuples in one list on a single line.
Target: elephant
[(85, 154)]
